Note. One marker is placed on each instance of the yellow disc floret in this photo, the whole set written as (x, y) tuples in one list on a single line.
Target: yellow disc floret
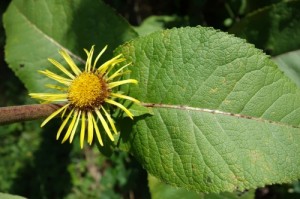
[(87, 91)]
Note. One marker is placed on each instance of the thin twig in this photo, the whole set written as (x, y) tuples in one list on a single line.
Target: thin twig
[(21, 113)]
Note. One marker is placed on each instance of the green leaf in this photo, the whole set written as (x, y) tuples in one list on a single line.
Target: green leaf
[(8, 196), (155, 23), (252, 5), (274, 29), (161, 190), (290, 64), (225, 117), (139, 110), (36, 30)]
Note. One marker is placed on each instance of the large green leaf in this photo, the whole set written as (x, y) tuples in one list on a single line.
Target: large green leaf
[(36, 30), (225, 117), (274, 29)]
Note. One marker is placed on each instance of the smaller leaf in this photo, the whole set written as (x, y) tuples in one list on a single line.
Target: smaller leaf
[(155, 23), (283, 27), (9, 196), (160, 190), (290, 64)]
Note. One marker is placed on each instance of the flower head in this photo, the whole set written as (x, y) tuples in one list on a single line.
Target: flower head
[(86, 95)]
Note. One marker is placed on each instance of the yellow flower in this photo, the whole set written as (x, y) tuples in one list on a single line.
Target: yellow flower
[(85, 95)]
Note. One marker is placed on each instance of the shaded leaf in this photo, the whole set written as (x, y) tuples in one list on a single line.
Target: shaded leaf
[(36, 30), (155, 23), (161, 190), (9, 196), (275, 28), (290, 64), (139, 110)]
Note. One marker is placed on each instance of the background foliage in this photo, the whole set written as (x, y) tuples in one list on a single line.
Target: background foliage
[(63, 171)]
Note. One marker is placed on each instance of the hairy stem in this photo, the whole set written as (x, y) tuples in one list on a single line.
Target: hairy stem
[(12, 114)]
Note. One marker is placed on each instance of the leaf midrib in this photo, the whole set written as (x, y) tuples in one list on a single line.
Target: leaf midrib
[(214, 111), (51, 40)]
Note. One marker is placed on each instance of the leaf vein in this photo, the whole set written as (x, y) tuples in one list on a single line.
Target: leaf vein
[(56, 43), (217, 112)]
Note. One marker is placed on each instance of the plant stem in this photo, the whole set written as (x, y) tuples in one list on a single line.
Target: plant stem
[(21, 113)]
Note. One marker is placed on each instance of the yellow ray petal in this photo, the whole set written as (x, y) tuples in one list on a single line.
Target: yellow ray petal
[(103, 68), (86, 52), (82, 132), (50, 96), (61, 67), (70, 62), (62, 126), (90, 127), (104, 124), (60, 88), (71, 127), (117, 73), (118, 83), (120, 106), (98, 56), (110, 120), (118, 95), (75, 127), (120, 74), (97, 132), (56, 77), (88, 62), (63, 114), (54, 114), (112, 65)]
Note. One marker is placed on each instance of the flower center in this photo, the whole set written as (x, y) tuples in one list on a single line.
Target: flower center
[(87, 91)]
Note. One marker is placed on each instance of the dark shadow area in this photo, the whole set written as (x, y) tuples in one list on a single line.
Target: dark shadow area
[(255, 33), (11, 88), (137, 181), (9, 83), (136, 11), (91, 28), (278, 192), (47, 177), (124, 177), (127, 134), (3, 6)]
